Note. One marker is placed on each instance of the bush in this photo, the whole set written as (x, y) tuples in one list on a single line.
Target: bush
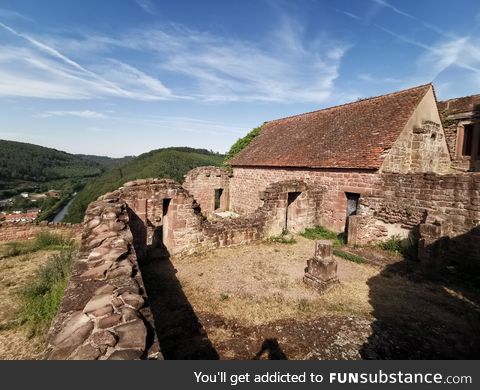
[(41, 298), (320, 233)]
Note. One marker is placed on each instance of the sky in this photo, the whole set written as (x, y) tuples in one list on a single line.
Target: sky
[(123, 77)]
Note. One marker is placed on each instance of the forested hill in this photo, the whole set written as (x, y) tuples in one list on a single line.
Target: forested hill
[(172, 163), (26, 162)]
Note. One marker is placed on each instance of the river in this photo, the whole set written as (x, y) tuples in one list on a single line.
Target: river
[(61, 214)]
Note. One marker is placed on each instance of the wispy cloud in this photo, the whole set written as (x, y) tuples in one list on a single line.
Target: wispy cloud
[(88, 114), (349, 14), (427, 25), (460, 52), (386, 4), (147, 6), (37, 69), (284, 66), (9, 14)]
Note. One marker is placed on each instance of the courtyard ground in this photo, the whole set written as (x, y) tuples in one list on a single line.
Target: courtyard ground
[(251, 303)]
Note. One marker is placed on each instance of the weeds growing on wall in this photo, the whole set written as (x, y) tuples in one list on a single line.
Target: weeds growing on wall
[(43, 241), (41, 297)]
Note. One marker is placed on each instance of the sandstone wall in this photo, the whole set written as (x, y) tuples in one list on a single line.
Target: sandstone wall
[(421, 147), (248, 184), (26, 231), (448, 204), (202, 182), (104, 313)]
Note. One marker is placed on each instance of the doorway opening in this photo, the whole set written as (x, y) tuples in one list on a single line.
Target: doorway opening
[(290, 211), (352, 206), (165, 221), (218, 198)]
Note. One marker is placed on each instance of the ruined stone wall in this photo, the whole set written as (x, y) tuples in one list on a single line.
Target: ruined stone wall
[(402, 203), (248, 184), (184, 229), (22, 231), (104, 313), (202, 182)]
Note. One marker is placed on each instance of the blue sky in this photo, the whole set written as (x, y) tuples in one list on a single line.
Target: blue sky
[(126, 76)]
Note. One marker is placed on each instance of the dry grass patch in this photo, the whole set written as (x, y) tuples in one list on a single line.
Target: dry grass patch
[(261, 283)]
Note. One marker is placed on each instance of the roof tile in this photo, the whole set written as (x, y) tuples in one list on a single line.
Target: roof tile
[(352, 135)]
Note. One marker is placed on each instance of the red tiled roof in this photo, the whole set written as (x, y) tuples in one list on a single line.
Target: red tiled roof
[(21, 216), (460, 105), (352, 135)]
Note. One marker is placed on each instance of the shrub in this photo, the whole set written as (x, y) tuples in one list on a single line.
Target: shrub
[(320, 233), (41, 298)]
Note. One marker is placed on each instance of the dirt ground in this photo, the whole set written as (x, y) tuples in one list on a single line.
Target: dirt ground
[(15, 340), (250, 303)]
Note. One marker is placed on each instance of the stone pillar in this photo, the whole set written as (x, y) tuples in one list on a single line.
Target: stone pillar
[(321, 271)]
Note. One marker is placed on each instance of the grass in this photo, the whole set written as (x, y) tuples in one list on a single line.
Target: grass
[(284, 238), (320, 233), (43, 241), (41, 297), (349, 256), (397, 244)]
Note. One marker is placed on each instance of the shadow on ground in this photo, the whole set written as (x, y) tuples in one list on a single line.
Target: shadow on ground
[(421, 318), (180, 333)]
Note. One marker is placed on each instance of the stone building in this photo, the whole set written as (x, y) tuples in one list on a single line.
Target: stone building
[(461, 122), (343, 149)]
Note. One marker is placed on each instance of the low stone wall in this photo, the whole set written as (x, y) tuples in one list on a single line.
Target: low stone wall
[(10, 231), (431, 207), (104, 313)]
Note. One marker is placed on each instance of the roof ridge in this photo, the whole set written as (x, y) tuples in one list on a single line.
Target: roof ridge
[(350, 103)]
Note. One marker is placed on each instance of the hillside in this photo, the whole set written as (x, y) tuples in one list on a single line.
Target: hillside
[(27, 167), (104, 161), (172, 163)]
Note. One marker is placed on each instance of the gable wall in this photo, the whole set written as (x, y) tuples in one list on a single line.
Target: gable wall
[(421, 147)]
